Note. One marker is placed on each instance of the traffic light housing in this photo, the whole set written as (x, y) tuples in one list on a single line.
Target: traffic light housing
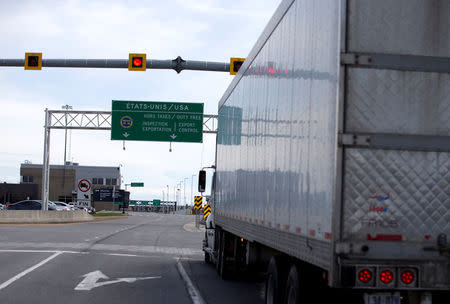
[(235, 65), (33, 61), (137, 62), (201, 181)]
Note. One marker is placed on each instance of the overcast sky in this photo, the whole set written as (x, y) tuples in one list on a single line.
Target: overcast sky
[(209, 30)]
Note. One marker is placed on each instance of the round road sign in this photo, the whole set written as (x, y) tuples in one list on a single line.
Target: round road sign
[(84, 185), (126, 122)]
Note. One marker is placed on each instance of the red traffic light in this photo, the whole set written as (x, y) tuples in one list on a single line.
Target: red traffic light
[(137, 62)]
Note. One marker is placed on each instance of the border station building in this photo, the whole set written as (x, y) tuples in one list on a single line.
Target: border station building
[(69, 183)]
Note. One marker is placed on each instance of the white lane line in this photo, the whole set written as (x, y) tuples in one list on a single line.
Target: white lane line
[(123, 254), (41, 251), (192, 290), (134, 255), (25, 272)]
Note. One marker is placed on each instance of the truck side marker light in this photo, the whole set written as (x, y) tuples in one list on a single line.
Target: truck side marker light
[(385, 237), (365, 275), (386, 276), (407, 277)]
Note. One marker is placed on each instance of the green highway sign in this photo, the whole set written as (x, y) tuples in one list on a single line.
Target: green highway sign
[(137, 184), (156, 202), (157, 121), (139, 203)]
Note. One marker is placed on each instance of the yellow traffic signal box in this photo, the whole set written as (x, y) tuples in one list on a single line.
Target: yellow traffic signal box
[(137, 62), (33, 61), (235, 65)]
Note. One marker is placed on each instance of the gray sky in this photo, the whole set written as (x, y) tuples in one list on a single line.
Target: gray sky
[(195, 30)]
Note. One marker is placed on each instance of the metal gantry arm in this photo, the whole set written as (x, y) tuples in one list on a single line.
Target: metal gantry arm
[(101, 120), (178, 64), (87, 120)]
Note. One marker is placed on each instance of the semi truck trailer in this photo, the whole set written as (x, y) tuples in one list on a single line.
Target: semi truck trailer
[(332, 172)]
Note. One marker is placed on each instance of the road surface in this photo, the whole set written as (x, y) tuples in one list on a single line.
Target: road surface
[(144, 258)]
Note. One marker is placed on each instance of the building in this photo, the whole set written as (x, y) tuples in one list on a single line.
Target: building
[(11, 193), (72, 182)]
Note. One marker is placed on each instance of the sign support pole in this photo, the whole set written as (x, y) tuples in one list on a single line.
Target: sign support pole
[(46, 162)]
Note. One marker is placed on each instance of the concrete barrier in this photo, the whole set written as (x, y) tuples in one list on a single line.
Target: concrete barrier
[(42, 217)]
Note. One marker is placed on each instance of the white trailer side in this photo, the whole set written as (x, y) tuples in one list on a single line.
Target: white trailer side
[(333, 142)]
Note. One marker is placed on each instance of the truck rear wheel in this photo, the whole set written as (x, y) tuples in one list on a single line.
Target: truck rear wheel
[(292, 294), (224, 266), (275, 278)]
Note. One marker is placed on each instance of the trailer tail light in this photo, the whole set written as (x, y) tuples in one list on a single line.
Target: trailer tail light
[(386, 276), (365, 276), (408, 277)]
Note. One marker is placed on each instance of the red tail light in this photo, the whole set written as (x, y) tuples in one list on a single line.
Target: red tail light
[(365, 275), (407, 277), (386, 276)]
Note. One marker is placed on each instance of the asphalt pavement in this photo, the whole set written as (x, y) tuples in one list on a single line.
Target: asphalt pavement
[(144, 258)]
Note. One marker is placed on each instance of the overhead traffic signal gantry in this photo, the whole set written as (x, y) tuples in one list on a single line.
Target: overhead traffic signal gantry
[(137, 62), (235, 65), (33, 61)]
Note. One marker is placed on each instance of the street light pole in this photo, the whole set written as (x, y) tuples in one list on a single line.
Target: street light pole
[(184, 182), (192, 183)]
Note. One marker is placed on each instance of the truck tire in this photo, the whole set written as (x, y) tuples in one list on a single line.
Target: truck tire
[(207, 258), (218, 241), (292, 294), (275, 278), (224, 267)]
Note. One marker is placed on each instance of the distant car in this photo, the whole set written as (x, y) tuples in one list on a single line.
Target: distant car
[(29, 205), (63, 206)]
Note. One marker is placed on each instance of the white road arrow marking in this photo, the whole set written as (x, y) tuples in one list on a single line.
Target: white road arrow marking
[(173, 136), (90, 280), (125, 134)]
